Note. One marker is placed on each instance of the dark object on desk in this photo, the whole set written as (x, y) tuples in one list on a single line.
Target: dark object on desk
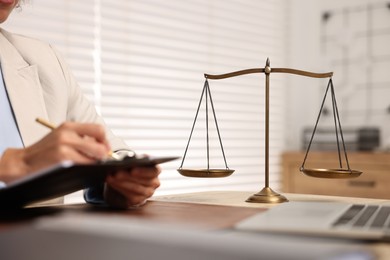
[(368, 138), (66, 178), (360, 139)]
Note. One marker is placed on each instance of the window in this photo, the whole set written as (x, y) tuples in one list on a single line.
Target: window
[(142, 64)]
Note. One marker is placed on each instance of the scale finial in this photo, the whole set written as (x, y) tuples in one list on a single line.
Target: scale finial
[(267, 68)]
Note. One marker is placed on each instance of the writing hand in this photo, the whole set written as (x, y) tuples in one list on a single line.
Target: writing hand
[(79, 142)]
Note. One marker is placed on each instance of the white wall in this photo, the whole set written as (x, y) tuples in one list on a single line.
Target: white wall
[(362, 86)]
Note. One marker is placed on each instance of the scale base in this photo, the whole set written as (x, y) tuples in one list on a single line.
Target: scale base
[(267, 195)]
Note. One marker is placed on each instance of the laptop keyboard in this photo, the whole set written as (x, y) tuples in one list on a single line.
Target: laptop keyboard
[(365, 216)]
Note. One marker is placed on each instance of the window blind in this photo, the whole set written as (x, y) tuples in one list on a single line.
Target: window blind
[(142, 64)]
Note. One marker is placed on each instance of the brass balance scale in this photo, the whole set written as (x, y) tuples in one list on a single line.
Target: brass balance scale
[(267, 195)]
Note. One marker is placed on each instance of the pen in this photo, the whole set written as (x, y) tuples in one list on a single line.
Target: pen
[(45, 123), (52, 127)]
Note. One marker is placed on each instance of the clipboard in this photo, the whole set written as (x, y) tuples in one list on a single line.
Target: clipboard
[(67, 177)]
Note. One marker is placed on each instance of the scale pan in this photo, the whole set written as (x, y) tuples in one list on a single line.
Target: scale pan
[(331, 173), (205, 173)]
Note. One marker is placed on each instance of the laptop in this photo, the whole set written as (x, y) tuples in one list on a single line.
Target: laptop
[(334, 219)]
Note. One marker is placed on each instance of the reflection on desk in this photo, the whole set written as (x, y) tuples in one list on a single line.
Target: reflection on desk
[(80, 236), (161, 229)]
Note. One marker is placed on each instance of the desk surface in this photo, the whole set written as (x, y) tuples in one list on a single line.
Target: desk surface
[(207, 217), (205, 210), (237, 199)]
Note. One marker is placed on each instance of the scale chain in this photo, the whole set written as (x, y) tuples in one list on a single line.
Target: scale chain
[(337, 123), (206, 91)]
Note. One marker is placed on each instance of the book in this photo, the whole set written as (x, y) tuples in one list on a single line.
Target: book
[(67, 177)]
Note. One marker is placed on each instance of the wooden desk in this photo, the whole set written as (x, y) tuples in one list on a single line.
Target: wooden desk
[(206, 211), (207, 217)]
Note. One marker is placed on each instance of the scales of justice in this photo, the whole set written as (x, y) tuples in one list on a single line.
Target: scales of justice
[(267, 195)]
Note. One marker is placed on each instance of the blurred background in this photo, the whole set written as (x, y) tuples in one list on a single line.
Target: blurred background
[(142, 64)]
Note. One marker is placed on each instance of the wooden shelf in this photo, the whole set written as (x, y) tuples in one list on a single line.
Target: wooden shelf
[(373, 183)]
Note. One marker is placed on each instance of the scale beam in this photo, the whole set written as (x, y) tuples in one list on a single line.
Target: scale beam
[(273, 70)]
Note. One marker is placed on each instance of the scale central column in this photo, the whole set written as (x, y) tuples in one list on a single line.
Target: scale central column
[(267, 195)]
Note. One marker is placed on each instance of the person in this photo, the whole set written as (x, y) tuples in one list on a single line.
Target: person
[(36, 82)]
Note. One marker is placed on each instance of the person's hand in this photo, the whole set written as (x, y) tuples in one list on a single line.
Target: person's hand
[(126, 189), (79, 142)]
